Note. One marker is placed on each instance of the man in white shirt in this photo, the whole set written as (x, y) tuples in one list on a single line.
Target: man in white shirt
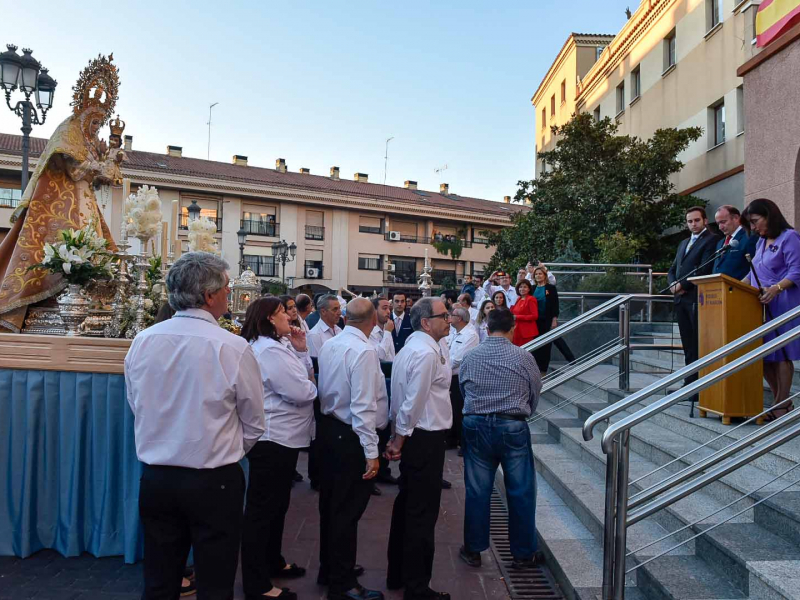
[(304, 308), (459, 343), (330, 311), (500, 281), (422, 415), (382, 340), (465, 301), (197, 400), (480, 293), (354, 405)]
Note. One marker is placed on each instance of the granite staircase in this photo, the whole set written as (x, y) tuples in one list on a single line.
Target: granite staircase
[(755, 554)]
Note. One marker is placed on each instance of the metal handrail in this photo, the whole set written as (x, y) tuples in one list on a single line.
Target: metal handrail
[(680, 374), (583, 367)]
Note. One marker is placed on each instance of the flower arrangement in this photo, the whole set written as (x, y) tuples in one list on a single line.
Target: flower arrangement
[(229, 325), (201, 236), (143, 213), (79, 256)]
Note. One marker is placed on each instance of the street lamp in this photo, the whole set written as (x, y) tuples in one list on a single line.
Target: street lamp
[(242, 235), (283, 253), (194, 211), (26, 74)]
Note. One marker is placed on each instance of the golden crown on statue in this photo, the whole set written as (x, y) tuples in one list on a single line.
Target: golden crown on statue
[(117, 126), (97, 87)]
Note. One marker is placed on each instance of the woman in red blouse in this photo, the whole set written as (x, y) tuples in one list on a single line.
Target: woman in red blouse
[(526, 312)]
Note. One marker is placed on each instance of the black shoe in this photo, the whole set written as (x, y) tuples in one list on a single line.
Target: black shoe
[(188, 572), (297, 477), (473, 559), (286, 594), (528, 563), (322, 578), (357, 593), (376, 491), (188, 590), (446, 485), (429, 594), (293, 572), (386, 478), (392, 584)]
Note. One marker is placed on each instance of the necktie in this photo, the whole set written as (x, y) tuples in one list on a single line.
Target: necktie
[(689, 245), (727, 240)]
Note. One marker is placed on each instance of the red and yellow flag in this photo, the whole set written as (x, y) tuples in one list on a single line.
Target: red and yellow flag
[(774, 18)]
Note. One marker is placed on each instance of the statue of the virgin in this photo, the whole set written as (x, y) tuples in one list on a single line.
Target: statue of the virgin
[(60, 194)]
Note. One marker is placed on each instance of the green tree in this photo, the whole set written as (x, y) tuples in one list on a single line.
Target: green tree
[(598, 183)]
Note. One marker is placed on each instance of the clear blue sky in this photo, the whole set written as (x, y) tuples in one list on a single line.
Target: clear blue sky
[(323, 83)]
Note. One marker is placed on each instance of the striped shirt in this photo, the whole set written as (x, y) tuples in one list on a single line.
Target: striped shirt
[(499, 377)]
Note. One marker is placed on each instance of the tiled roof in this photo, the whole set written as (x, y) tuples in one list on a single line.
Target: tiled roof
[(195, 167)]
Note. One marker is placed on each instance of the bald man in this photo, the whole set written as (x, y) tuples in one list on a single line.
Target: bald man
[(354, 405)]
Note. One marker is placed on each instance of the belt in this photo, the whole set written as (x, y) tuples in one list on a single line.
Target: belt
[(501, 416)]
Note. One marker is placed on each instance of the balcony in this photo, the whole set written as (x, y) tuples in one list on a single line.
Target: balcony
[(184, 223), (264, 228), (410, 239), (315, 233), (480, 240), (10, 198), (263, 266), (405, 277), (367, 229), (441, 275), (313, 269)]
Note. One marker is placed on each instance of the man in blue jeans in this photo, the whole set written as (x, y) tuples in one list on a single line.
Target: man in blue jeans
[(500, 384)]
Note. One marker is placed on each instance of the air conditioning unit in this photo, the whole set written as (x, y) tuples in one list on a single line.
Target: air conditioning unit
[(460, 281), (390, 268), (394, 236), (312, 273)]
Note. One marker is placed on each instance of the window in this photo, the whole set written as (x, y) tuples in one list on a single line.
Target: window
[(552, 106), (9, 198), (209, 208), (713, 13), (740, 109), (406, 229), (544, 118), (259, 220), (598, 52), (263, 266), (597, 115), (621, 98), (370, 262), (405, 269), (716, 115), (563, 91), (315, 220), (313, 264), (370, 224), (670, 51), (636, 83)]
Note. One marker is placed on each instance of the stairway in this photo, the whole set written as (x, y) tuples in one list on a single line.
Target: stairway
[(755, 555)]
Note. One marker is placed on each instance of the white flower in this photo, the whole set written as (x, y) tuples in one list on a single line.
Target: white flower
[(67, 267), (148, 304), (49, 254)]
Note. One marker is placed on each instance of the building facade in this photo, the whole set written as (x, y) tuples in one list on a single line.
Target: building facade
[(673, 64), (348, 233)]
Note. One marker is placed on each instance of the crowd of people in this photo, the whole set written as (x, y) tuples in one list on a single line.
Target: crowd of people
[(359, 385)]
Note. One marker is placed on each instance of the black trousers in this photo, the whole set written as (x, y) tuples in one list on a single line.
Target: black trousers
[(383, 438), (416, 510), (343, 498), (542, 355), (562, 346), (313, 449), (686, 314), (182, 508), (272, 468), (457, 401)]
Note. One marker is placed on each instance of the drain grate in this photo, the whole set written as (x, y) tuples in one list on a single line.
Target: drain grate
[(529, 584)]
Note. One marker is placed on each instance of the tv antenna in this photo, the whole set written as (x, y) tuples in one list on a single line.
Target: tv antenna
[(208, 156), (386, 159), (439, 170)]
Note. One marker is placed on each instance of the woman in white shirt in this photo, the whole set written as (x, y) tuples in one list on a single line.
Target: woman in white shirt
[(487, 306), (289, 419)]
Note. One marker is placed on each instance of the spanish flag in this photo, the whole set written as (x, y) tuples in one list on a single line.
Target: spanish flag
[(774, 18)]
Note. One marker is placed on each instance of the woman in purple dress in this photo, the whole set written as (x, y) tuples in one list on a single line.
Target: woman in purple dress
[(777, 263)]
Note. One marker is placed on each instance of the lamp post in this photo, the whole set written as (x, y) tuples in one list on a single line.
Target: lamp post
[(283, 253), (26, 74), (194, 211), (242, 235)]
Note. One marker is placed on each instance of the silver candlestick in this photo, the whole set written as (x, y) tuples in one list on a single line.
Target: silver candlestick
[(142, 264), (425, 278), (123, 281)]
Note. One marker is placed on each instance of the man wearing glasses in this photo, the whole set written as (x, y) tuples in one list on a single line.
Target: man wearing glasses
[(422, 415)]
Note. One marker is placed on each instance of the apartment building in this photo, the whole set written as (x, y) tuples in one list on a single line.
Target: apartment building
[(347, 232), (673, 64)]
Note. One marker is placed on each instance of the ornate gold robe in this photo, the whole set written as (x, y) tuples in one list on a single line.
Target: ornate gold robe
[(58, 196)]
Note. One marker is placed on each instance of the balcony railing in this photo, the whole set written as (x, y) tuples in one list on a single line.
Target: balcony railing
[(264, 228), (263, 266), (401, 277), (313, 269), (184, 223), (10, 198), (315, 233), (410, 239), (480, 240), (440, 275)]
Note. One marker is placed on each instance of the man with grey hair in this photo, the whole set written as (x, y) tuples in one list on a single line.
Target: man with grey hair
[(422, 415), (197, 400), (463, 338), (353, 402), (330, 311)]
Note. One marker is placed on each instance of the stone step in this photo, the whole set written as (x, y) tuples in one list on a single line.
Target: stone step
[(713, 547), (774, 580)]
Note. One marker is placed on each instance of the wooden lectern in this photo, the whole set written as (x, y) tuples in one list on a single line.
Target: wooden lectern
[(728, 309)]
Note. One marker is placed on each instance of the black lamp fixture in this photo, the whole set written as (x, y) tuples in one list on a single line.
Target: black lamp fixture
[(283, 253), (242, 236), (194, 211), (26, 74)]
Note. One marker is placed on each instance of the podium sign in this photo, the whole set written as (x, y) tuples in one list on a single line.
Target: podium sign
[(728, 309)]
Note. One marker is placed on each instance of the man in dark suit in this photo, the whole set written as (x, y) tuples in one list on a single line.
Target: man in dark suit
[(732, 262), (692, 253), (402, 321)]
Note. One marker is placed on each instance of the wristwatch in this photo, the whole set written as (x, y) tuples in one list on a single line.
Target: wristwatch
[(778, 285)]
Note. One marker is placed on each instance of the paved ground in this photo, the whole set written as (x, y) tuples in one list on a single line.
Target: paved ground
[(48, 576)]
